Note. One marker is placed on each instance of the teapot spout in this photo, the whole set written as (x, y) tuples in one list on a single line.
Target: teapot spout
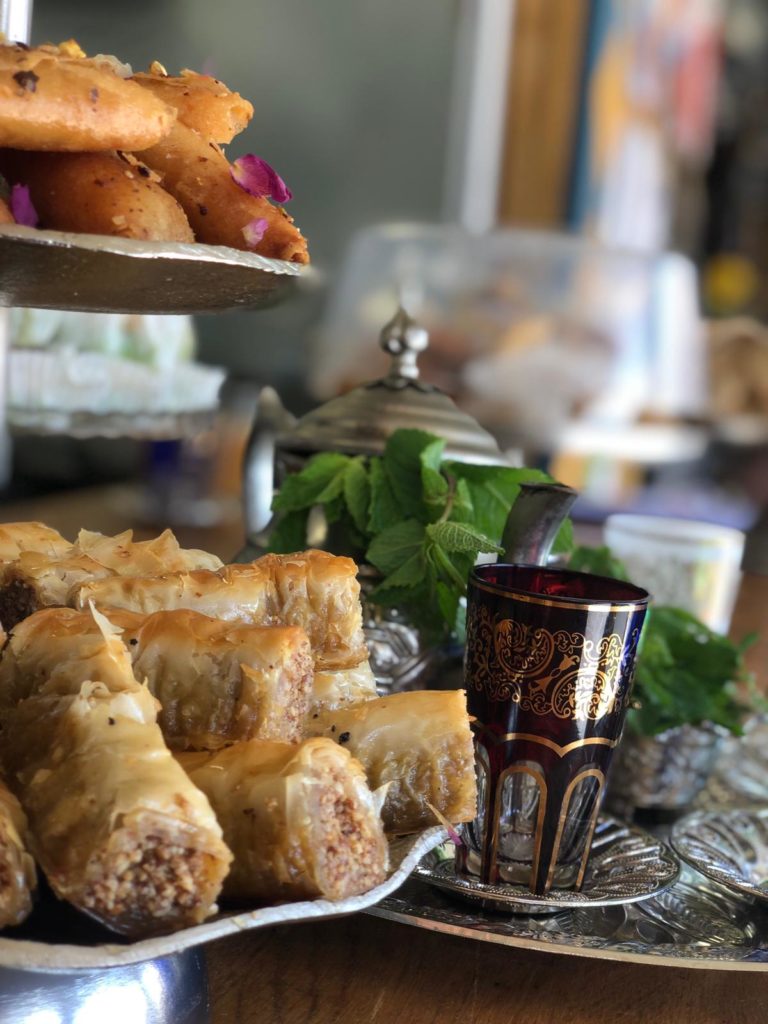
[(533, 522)]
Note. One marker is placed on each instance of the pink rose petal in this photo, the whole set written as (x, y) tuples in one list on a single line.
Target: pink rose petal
[(253, 232), (259, 179), (21, 207)]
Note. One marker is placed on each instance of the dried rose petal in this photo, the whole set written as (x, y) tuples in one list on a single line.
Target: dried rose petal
[(21, 207), (259, 179), (253, 232)]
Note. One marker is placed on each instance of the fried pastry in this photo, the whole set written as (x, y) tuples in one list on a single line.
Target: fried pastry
[(97, 193), (217, 682), (18, 537), (114, 822), (336, 688), (421, 744), (51, 99), (300, 820), (18, 877), (39, 580), (197, 174), (220, 682), (314, 590), (201, 102)]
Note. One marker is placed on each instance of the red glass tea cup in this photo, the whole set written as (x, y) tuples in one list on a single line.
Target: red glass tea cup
[(548, 670)]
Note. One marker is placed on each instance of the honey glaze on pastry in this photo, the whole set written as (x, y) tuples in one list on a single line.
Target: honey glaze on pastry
[(52, 99)]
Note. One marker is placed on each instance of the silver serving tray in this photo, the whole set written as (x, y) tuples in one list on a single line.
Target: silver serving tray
[(56, 938), (695, 923), (692, 924), (100, 273), (626, 865), (729, 847)]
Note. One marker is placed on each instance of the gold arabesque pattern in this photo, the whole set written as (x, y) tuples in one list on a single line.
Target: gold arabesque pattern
[(559, 673)]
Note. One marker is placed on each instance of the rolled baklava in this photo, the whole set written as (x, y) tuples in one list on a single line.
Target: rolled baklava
[(314, 590), (300, 820), (335, 688), (39, 579), (114, 822), (220, 682), (421, 744), (32, 536), (17, 868), (217, 682)]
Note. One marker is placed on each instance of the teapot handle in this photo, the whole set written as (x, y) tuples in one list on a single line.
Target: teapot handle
[(259, 461)]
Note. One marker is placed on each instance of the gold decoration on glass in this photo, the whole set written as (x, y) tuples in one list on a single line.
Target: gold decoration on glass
[(562, 673)]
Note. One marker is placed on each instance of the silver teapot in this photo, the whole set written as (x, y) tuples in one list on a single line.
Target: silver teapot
[(359, 423)]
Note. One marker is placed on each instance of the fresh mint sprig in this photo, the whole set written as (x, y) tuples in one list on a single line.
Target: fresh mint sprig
[(418, 518)]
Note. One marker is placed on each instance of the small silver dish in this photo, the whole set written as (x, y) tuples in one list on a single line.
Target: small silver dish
[(729, 847), (626, 865)]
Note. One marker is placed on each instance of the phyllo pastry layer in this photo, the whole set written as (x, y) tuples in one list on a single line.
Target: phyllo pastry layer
[(421, 744), (114, 822), (300, 820), (314, 590), (17, 868)]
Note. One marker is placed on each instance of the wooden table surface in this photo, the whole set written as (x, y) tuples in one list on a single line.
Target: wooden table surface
[(360, 969)]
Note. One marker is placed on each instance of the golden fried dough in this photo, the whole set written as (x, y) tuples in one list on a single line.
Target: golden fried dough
[(200, 102), (51, 101), (6, 217), (197, 173), (97, 193)]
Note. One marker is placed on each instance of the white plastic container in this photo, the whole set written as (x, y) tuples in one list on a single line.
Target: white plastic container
[(682, 562)]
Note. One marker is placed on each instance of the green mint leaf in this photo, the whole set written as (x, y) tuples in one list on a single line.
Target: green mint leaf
[(289, 533), (463, 510), (460, 537), (564, 540), (599, 561), (396, 545), (685, 673), (357, 492), (492, 490), (409, 574), (402, 465), (384, 509), (321, 480), (434, 484), (448, 602)]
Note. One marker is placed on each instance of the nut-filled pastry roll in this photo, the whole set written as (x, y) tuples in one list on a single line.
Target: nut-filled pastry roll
[(54, 650), (300, 820), (17, 868), (114, 822), (39, 580), (217, 682), (314, 590), (421, 744), (320, 592), (18, 537), (335, 688), (220, 682)]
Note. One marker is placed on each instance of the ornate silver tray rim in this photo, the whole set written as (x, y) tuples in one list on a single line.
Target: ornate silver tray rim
[(627, 865), (419, 918), (27, 954), (694, 839)]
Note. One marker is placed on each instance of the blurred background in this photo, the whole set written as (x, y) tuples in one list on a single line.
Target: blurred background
[(572, 195)]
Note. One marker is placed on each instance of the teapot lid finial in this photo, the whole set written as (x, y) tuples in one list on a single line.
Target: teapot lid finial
[(403, 339)]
